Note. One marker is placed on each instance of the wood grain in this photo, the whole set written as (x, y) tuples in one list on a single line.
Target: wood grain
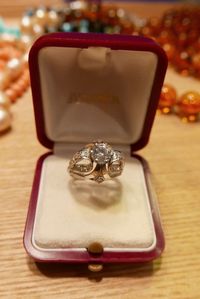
[(174, 157)]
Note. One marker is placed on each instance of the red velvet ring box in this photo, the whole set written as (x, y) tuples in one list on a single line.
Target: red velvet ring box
[(89, 87)]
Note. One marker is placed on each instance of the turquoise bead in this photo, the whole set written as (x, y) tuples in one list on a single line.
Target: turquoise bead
[(13, 31), (66, 27), (10, 30), (2, 26)]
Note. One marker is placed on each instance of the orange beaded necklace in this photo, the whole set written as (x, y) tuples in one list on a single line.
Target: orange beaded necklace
[(178, 32), (14, 77)]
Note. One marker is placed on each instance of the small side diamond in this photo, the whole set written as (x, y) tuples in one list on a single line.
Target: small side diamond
[(85, 153), (99, 179), (83, 166), (117, 155), (116, 167)]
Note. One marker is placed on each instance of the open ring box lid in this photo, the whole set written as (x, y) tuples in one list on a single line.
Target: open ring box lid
[(89, 87)]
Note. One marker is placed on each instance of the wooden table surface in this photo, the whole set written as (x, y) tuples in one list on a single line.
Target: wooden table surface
[(174, 157)]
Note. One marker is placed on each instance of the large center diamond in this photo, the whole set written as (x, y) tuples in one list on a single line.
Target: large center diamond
[(101, 153)]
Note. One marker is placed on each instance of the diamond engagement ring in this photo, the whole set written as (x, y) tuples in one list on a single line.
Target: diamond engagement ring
[(97, 161)]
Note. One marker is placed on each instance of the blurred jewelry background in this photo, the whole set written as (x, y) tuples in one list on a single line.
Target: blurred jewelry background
[(177, 30)]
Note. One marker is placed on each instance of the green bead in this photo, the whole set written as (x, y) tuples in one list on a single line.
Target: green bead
[(83, 29), (108, 29)]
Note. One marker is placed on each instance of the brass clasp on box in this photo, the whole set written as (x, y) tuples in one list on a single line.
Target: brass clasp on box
[(95, 249)]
